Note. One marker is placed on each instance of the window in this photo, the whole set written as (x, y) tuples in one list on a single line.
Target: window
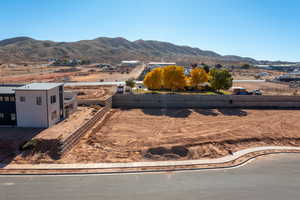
[(38, 100), (1, 98), (1, 115), (53, 115), (53, 99), (13, 116), (22, 99), (12, 99), (6, 99)]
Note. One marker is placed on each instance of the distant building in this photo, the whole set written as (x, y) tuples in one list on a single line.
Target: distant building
[(130, 63), (35, 105), (153, 65)]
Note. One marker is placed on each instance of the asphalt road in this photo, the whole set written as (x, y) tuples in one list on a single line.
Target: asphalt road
[(272, 177)]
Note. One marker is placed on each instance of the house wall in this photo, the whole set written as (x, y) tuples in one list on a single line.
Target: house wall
[(53, 107), (29, 114)]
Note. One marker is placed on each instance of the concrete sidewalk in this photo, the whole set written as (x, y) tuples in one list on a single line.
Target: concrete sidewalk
[(225, 159)]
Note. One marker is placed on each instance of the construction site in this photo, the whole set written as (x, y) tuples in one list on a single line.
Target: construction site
[(105, 130)]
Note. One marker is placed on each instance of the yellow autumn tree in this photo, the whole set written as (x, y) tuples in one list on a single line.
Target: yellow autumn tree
[(198, 76), (188, 81), (153, 79), (174, 78)]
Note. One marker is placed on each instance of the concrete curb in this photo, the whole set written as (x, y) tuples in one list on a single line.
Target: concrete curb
[(88, 166), (143, 170)]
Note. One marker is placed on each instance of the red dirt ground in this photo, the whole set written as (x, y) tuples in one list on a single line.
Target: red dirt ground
[(179, 134), (160, 134)]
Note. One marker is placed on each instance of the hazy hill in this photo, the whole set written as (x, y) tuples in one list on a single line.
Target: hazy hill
[(105, 49)]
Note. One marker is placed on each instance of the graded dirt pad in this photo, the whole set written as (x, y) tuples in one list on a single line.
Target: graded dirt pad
[(151, 134), (179, 134)]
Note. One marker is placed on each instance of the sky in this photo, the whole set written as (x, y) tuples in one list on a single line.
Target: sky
[(261, 29)]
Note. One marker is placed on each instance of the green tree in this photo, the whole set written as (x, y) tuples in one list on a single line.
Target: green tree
[(206, 68), (220, 79), (130, 83)]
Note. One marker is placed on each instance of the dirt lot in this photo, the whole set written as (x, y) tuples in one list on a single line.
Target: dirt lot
[(154, 134), (250, 74), (267, 88), (109, 76), (179, 134), (92, 92), (44, 73)]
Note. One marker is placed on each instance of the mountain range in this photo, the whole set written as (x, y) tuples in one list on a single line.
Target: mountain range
[(109, 50)]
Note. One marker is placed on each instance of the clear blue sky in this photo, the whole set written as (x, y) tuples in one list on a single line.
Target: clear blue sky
[(262, 29)]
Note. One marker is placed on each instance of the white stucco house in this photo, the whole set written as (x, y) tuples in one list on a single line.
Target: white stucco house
[(37, 104)]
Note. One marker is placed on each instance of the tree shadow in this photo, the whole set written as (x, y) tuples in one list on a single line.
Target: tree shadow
[(124, 109), (170, 112), (208, 112), (178, 113), (152, 111), (232, 112)]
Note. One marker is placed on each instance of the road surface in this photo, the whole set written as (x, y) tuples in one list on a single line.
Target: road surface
[(123, 82), (274, 177)]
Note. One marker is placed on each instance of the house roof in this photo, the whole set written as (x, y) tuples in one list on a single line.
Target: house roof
[(130, 61), (8, 88), (38, 86)]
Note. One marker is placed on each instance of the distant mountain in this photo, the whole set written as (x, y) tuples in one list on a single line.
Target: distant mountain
[(108, 50)]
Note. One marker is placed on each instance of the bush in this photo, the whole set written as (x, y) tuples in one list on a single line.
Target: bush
[(29, 145)]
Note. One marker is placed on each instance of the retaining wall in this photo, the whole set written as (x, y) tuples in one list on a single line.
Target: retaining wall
[(68, 143), (91, 102), (203, 101)]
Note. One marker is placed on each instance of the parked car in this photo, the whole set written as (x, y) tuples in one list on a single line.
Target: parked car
[(256, 92), (240, 91), (243, 91)]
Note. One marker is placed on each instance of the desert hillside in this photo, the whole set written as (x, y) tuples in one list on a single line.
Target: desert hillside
[(111, 50)]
